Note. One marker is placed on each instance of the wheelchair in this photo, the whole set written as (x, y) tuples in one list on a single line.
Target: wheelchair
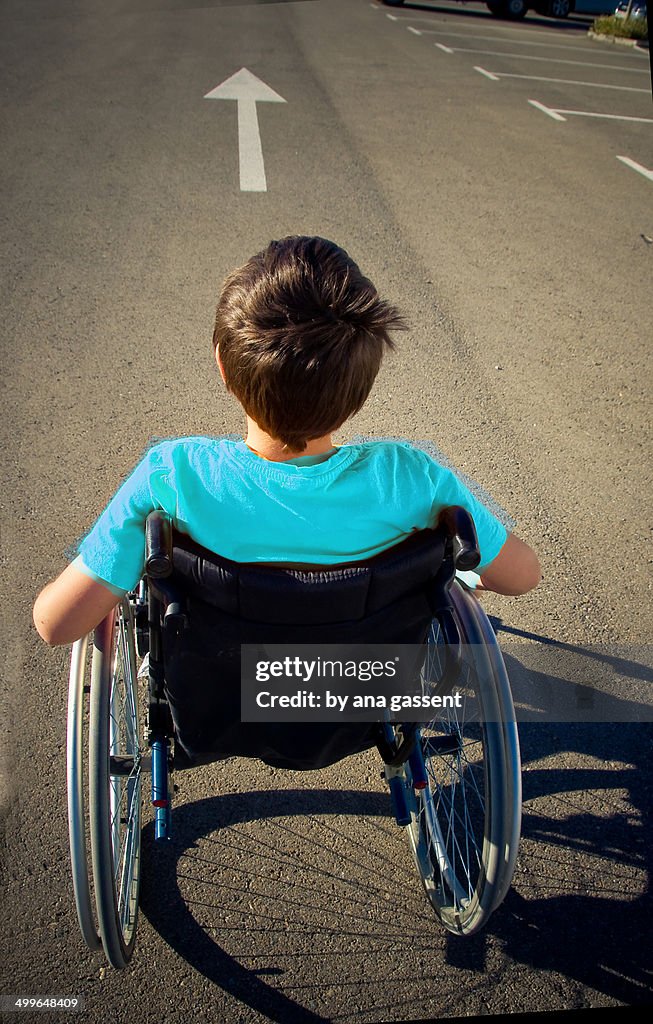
[(174, 646)]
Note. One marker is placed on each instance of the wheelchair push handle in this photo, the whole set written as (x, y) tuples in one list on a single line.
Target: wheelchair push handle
[(460, 528), (158, 545)]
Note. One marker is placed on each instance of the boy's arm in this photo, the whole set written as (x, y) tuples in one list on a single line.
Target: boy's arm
[(71, 606), (112, 551), (514, 571)]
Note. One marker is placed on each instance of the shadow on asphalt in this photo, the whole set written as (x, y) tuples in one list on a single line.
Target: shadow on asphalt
[(601, 938), (598, 940), (163, 904)]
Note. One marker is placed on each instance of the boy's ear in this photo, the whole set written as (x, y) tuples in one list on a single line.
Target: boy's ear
[(219, 362)]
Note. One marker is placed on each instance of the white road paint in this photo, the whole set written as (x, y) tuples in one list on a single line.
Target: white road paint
[(247, 90), (557, 114), (501, 31), (514, 42), (547, 60), (495, 76), (547, 110), (415, 31), (609, 117), (636, 167), (488, 74)]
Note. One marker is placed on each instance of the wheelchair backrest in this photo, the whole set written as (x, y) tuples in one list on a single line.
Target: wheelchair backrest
[(391, 598), (308, 595)]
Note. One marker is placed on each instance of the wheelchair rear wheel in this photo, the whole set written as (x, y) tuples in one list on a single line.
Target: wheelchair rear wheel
[(76, 771), (115, 764), (466, 822)]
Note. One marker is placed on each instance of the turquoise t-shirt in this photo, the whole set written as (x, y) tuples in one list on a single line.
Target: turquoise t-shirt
[(348, 506)]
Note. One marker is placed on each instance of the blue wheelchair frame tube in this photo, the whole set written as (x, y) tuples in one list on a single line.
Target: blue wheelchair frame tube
[(161, 789), (418, 772), (158, 713)]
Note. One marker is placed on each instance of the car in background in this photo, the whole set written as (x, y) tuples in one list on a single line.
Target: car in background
[(515, 9), (592, 7), (637, 10)]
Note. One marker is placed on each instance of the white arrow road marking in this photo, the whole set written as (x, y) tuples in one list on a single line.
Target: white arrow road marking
[(247, 90), (636, 167)]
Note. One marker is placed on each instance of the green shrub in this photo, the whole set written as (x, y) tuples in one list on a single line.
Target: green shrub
[(632, 28)]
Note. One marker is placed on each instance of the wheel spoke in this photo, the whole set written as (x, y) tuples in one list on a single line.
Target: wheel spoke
[(466, 814), (126, 816), (116, 796)]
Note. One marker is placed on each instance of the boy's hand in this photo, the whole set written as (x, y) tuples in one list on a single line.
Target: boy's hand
[(469, 580)]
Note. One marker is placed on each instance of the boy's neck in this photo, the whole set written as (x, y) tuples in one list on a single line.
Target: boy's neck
[(270, 448)]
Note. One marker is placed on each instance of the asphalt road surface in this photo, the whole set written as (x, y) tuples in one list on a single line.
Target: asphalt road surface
[(519, 243)]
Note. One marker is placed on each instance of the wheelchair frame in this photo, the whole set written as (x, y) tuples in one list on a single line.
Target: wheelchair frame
[(455, 782)]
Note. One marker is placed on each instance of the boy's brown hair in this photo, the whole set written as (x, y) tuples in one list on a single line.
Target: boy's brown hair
[(301, 335)]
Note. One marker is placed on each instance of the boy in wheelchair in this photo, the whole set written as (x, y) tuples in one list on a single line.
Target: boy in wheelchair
[(299, 338), (284, 537)]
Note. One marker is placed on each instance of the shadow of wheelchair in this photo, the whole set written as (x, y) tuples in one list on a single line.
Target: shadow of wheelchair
[(313, 887), (581, 904), (291, 872)]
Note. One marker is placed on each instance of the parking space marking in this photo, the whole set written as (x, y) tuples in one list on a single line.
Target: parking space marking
[(493, 39), (636, 167), (495, 76), (547, 110), (488, 28), (488, 74), (557, 112), (547, 60)]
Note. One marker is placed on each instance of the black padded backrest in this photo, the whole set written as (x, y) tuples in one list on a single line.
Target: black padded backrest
[(307, 595), (388, 599)]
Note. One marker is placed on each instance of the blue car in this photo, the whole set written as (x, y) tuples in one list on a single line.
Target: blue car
[(515, 9)]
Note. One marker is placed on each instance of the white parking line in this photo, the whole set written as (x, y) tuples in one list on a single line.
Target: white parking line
[(547, 110), (557, 112), (488, 74), (488, 28), (548, 60), (636, 167), (609, 117), (495, 76), (492, 39)]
